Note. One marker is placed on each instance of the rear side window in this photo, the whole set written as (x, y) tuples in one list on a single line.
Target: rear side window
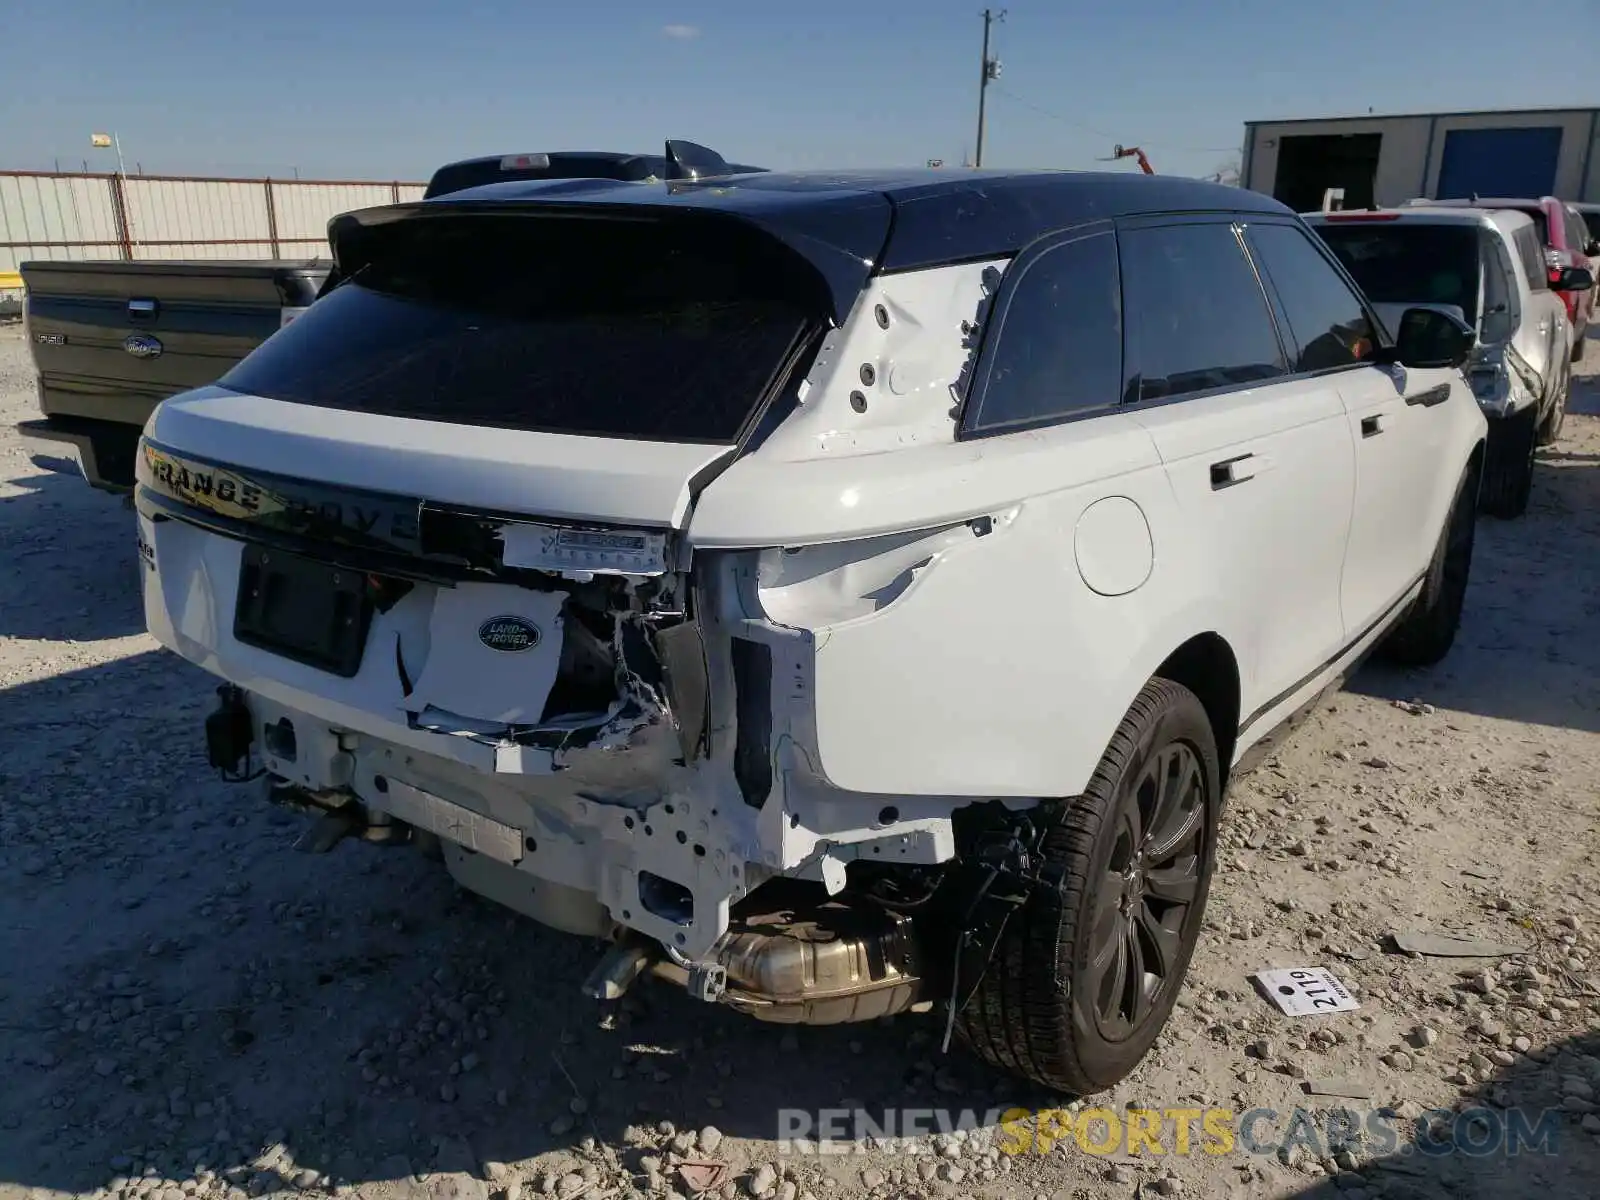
[(1197, 318), (1059, 349), (1499, 291), (610, 329), (1541, 223), (1577, 235), (1326, 317), (1591, 218), (1531, 254)]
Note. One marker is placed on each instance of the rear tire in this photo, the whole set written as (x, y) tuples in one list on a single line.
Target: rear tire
[(1508, 464), (1058, 1004), (1426, 633)]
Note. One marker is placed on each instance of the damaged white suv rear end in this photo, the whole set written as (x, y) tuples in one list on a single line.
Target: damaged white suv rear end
[(635, 546)]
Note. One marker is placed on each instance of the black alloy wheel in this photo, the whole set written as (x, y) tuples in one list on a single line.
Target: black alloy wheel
[(1084, 975), (1150, 884)]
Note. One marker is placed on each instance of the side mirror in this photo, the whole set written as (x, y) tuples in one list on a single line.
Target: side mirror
[(1572, 279), (1429, 338)]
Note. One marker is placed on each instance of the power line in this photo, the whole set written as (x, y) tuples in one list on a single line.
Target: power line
[(1100, 133), (1041, 110)]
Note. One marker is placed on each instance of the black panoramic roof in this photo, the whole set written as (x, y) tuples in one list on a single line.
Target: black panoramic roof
[(939, 215), (851, 224)]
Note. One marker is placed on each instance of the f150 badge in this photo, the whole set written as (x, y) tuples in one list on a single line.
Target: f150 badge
[(508, 634), (142, 345)]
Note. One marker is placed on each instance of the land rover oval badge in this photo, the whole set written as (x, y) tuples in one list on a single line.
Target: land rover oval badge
[(142, 345), (508, 634)]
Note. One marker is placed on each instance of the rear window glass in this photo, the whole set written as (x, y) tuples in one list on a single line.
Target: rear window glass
[(607, 328), (1541, 222), (1402, 262)]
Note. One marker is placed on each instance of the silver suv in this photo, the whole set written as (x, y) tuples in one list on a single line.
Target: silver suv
[(1487, 267)]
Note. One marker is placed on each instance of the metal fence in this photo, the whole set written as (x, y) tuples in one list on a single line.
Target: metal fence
[(73, 217)]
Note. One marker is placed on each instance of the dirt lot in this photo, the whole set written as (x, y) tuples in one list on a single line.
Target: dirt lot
[(188, 1007)]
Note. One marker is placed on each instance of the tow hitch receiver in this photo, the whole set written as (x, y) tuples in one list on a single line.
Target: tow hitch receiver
[(339, 815)]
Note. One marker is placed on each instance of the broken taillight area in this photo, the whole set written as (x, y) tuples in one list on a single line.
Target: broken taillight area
[(564, 665)]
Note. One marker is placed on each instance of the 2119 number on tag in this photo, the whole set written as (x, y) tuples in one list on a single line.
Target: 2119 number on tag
[(1305, 991)]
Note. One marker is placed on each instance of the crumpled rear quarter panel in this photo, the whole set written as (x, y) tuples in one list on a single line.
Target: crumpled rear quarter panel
[(998, 671)]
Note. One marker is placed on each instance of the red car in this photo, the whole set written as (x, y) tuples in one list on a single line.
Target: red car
[(1567, 243)]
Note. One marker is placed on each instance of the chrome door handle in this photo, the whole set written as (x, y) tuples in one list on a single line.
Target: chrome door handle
[(1434, 395), (1232, 471)]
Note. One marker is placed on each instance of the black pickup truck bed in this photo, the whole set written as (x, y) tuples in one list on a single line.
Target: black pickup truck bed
[(111, 340)]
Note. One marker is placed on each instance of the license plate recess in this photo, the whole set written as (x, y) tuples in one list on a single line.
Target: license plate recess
[(302, 609)]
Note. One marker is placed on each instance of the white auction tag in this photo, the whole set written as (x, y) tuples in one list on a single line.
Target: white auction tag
[(1303, 991)]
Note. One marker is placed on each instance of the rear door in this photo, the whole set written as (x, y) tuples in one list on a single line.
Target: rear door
[(1546, 327), (113, 339), (1260, 461), (1397, 425)]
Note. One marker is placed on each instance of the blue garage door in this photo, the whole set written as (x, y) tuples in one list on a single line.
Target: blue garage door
[(1499, 162)]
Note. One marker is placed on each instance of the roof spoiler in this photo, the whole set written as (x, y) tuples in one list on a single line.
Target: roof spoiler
[(831, 267), (682, 160)]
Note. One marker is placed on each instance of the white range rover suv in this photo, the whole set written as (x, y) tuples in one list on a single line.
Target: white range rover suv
[(845, 594)]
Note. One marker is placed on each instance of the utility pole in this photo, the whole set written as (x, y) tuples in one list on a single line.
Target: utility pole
[(990, 71)]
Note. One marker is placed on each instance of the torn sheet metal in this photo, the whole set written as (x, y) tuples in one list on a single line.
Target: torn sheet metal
[(634, 741), (640, 731), (1305, 991), (583, 552), (494, 652)]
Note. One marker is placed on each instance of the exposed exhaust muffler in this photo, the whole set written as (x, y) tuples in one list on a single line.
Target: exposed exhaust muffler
[(812, 963)]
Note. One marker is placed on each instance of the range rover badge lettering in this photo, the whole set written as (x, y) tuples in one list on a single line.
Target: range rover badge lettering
[(142, 345), (508, 634)]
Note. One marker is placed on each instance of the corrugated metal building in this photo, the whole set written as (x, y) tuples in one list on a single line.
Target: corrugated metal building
[(1386, 160), (56, 215)]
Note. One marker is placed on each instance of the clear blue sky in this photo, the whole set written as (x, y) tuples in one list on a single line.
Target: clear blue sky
[(393, 88)]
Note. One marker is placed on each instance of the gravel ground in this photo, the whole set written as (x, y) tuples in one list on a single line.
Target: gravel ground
[(190, 1008)]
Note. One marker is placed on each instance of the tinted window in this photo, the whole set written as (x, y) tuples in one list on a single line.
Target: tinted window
[(1326, 318), (1197, 318), (609, 329), (1060, 341), (1591, 218), (1407, 262)]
